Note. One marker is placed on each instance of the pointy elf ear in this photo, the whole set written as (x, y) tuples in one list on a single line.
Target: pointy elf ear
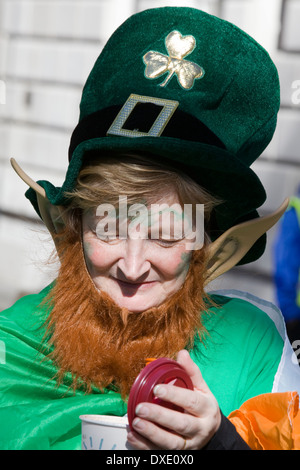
[(52, 215), (231, 246)]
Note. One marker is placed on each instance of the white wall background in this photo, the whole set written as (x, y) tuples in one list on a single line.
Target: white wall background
[(47, 48)]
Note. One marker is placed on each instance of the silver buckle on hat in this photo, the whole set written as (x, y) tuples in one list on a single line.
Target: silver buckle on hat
[(158, 125)]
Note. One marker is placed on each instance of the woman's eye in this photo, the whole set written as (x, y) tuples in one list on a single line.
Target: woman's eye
[(110, 238), (166, 243), (105, 237)]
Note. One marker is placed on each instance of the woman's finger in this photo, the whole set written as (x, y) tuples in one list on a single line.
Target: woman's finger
[(184, 359), (157, 436), (196, 402), (175, 421), (137, 441)]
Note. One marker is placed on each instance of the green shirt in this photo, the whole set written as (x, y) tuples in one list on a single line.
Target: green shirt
[(238, 359)]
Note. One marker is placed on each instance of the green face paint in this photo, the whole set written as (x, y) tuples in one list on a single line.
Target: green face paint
[(184, 264), (88, 249)]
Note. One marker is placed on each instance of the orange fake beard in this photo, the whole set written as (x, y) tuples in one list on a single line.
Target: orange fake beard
[(103, 345)]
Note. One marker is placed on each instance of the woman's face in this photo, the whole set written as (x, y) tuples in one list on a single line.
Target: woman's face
[(142, 270)]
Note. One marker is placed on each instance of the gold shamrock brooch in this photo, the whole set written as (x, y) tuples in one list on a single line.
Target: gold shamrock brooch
[(178, 47)]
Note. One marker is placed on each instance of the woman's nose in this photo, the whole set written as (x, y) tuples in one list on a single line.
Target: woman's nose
[(134, 263)]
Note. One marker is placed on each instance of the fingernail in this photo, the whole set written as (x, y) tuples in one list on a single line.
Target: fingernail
[(159, 391), (137, 424), (141, 410)]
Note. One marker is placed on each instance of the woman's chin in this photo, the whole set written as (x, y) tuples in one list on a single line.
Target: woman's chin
[(135, 305)]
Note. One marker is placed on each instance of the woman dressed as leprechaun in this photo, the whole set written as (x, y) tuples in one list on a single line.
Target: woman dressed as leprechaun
[(158, 200)]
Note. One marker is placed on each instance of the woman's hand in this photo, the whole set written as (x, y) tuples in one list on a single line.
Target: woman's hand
[(156, 427)]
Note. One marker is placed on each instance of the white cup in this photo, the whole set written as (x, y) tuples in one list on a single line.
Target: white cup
[(103, 432)]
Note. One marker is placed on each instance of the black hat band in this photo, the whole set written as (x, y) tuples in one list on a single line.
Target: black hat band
[(181, 126)]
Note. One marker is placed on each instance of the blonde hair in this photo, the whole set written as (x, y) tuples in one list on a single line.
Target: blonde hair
[(142, 179)]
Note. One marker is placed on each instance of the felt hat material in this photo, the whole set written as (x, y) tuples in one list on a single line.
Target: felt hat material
[(194, 91)]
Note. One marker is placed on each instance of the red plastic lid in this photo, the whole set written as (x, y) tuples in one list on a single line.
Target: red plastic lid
[(159, 371)]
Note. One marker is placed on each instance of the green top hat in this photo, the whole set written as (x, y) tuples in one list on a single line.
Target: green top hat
[(191, 89)]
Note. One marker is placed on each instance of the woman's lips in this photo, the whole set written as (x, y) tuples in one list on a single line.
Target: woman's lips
[(134, 285)]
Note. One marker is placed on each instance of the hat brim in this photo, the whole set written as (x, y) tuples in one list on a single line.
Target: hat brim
[(215, 169)]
